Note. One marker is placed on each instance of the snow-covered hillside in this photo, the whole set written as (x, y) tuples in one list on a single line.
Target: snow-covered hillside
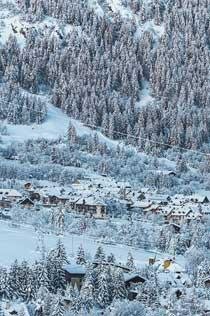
[(12, 22), (54, 127), (22, 244)]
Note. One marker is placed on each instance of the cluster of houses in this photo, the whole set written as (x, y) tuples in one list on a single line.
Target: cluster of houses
[(168, 272), (89, 196), (176, 209)]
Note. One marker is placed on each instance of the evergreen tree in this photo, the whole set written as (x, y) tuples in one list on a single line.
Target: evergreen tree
[(58, 309), (103, 295), (80, 259), (130, 261), (100, 255), (120, 291)]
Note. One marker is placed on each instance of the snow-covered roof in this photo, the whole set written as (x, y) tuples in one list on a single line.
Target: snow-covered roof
[(159, 198), (90, 200), (200, 198), (140, 204), (130, 276), (10, 193), (172, 267), (54, 191), (187, 211), (75, 269)]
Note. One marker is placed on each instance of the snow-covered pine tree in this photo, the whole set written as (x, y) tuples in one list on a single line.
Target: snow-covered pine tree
[(103, 294), (58, 309), (99, 255), (80, 259), (119, 289), (130, 261)]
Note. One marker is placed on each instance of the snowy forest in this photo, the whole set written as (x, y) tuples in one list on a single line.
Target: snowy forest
[(104, 158), (96, 72)]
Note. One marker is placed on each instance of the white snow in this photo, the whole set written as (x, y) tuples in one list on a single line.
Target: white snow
[(11, 19), (55, 126), (93, 4), (117, 7), (21, 243), (150, 26), (145, 96), (156, 30)]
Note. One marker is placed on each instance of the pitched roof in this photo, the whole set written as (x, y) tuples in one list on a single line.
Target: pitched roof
[(90, 200), (75, 269), (10, 193)]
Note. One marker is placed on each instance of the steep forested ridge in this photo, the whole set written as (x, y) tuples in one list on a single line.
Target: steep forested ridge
[(97, 71)]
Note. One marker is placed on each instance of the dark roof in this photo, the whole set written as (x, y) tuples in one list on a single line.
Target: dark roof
[(26, 200), (129, 277)]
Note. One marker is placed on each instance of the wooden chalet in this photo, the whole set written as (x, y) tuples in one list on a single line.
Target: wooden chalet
[(26, 203), (94, 207), (75, 274), (10, 195), (181, 215), (131, 281)]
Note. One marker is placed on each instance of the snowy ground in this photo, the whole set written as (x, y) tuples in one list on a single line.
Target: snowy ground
[(55, 126), (145, 96), (12, 22), (21, 243)]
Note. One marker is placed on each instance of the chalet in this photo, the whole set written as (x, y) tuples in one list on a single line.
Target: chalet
[(183, 214), (131, 281), (26, 203), (53, 201), (141, 206), (160, 199), (198, 198), (92, 206), (152, 209), (10, 194), (72, 201), (75, 274), (173, 274), (53, 196), (133, 278)]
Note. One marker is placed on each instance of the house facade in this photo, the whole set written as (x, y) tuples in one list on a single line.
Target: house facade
[(95, 208)]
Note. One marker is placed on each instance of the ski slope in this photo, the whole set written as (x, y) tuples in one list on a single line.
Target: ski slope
[(23, 243), (54, 127)]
